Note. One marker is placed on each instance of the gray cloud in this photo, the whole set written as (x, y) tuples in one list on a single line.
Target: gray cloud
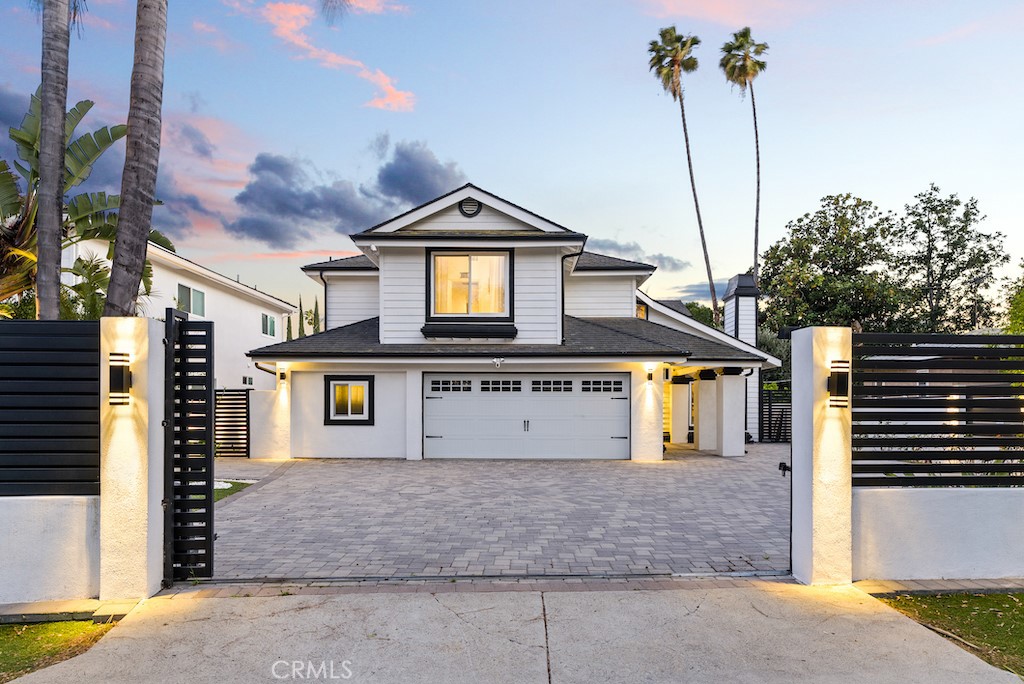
[(13, 106), (699, 291), (194, 140), (287, 200), (172, 216), (414, 175), (195, 101), (380, 145), (633, 251)]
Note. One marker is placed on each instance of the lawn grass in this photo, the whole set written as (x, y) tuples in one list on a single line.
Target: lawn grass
[(991, 624), (219, 494), (25, 648)]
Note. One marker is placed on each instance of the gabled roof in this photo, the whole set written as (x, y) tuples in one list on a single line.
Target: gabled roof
[(538, 226), (676, 305), (600, 337), (591, 261), (588, 261)]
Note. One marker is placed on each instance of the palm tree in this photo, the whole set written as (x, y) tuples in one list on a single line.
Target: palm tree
[(671, 56), (142, 157), (741, 66)]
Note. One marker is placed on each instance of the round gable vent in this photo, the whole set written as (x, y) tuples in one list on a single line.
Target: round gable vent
[(470, 207)]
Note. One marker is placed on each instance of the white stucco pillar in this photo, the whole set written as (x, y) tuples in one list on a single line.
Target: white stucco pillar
[(681, 412), (705, 411), (731, 409), (414, 415), (822, 479), (132, 462), (647, 443)]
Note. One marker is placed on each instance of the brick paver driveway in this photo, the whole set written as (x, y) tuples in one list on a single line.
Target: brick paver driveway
[(693, 513)]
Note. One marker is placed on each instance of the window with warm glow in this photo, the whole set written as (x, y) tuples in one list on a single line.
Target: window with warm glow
[(470, 284), (348, 400)]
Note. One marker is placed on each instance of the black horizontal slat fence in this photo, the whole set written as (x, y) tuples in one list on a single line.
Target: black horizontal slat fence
[(776, 415), (938, 410), (231, 423), (49, 408)]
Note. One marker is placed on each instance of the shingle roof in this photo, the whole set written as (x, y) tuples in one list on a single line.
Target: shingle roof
[(676, 305), (621, 337), (496, 234), (591, 261), (360, 262), (588, 261)]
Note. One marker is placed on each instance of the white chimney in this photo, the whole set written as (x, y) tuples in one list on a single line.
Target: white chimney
[(741, 322)]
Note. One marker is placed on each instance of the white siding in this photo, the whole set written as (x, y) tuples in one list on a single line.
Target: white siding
[(600, 296), (402, 294), (452, 219), (351, 299), (537, 300)]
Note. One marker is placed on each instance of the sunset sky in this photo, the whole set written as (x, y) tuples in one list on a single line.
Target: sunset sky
[(283, 132)]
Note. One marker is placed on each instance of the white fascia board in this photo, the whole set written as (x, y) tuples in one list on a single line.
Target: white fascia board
[(364, 242), (641, 275), (694, 366), (315, 274), (476, 193), (709, 333), (175, 262), (453, 360)]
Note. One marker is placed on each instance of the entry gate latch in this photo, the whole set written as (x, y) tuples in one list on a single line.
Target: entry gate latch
[(784, 468)]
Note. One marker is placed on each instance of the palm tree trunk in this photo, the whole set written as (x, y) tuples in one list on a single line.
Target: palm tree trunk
[(757, 195), (56, 43), (142, 157), (700, 223)]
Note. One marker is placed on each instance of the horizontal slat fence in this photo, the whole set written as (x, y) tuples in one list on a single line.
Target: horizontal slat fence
[(776, 415), (938, 410), (231, 423), (49, 408)]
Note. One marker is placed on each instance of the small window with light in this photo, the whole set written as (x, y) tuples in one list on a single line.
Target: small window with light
[(269, 325), (473, 285), (348, 400), (191, 300)]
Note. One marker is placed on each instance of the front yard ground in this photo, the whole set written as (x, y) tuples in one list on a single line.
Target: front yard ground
[(25, 648), (233, 487), (989, 625)]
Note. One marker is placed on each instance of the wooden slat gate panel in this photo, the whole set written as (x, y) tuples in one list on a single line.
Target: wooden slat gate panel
[(189, 438), (49, 408), (938, 410), (231, 423)]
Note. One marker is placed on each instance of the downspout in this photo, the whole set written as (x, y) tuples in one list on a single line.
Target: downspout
[(564, 257), (265, 370)]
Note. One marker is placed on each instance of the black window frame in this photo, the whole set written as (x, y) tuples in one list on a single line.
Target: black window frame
[(478, 318), (329, 399)]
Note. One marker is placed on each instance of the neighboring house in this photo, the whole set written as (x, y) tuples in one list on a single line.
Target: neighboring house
[(244, 317), (473, 328)]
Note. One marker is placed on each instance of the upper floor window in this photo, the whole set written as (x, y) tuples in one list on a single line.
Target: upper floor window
[(191, 300), (268, 325), (476, 284), (641, 310)]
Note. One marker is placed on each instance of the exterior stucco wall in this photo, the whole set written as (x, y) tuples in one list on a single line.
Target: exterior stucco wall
[(905, 533), (51, 548), (269, 423)]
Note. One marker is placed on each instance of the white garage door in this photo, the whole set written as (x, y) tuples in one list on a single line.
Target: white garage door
[(524, 415)]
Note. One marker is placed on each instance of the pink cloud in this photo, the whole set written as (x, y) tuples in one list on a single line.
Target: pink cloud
[(289, 19), (734, 13)]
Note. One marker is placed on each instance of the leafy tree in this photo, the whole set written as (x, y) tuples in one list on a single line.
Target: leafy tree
[(142, 156), (288, 327), (671, 57), (768, 340), (830, 269), (316, 315), (702, 313), (86, 216), (302, 316), (741, 66), (1015, 304), (946, 264)]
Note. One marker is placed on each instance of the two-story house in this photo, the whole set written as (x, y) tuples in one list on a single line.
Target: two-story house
[(473, 328)]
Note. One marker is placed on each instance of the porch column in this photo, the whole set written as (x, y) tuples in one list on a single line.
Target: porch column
[(681, 410), (731, 408), (705, 414), (822, 482)]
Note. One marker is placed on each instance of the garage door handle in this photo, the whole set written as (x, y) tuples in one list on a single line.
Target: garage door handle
[(526, 426), (620, 437), (619, 398), (433, 436)]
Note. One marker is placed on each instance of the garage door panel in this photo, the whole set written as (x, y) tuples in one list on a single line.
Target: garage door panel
[(521, 415)]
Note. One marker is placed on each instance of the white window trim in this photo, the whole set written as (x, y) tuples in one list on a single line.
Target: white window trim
[(268, 317), (366, 381), (191, 291), (506, 314)]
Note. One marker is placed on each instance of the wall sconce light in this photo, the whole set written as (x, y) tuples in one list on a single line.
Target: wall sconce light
[(283, 375), (839, 385), (650, 371), (120, 379)]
